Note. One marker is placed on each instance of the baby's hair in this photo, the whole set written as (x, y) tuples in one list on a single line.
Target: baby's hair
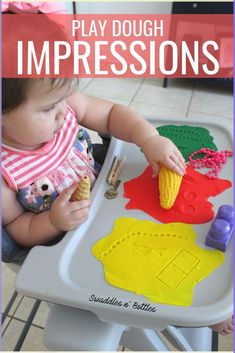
[(15, 90)]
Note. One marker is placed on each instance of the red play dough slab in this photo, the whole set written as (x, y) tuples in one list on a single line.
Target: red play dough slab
[(191, 205)]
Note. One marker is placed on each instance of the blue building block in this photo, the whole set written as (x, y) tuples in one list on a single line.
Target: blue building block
[(221, 228)]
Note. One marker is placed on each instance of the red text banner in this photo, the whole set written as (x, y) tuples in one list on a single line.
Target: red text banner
[(150, 46)]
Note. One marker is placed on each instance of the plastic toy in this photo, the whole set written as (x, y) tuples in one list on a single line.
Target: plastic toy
[(221, 228), (83, 190), (169, 185)]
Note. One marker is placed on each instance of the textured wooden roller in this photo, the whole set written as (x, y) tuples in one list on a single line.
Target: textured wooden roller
[(83, 190)]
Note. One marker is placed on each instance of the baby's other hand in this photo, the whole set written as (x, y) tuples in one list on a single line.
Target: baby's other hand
[(66, 215), (161, 150)]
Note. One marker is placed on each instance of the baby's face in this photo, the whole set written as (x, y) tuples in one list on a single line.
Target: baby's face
[(36, 121)]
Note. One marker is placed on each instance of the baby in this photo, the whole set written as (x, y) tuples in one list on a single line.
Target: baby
[(45, 152)]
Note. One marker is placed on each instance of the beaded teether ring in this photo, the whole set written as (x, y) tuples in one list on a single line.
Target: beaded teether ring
[(212, 159)]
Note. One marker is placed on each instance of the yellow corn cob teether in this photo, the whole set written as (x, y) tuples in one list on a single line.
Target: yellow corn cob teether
[(169, 184), (83, 190)]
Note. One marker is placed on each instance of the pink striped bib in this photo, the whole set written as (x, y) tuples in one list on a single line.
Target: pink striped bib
[(38, 176)]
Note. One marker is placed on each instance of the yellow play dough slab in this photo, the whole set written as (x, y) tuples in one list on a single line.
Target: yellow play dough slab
[(160, 261)]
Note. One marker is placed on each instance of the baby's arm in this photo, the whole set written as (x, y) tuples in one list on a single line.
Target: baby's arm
[(126, 124), (29, 229)]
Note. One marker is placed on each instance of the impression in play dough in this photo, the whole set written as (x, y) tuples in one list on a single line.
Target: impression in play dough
[(190, 195), (188, 138), (160, 261), (191, 206), (188, 209)]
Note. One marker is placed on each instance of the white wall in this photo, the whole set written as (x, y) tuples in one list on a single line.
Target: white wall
[(124, 7)]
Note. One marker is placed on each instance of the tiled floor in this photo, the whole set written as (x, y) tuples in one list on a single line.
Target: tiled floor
[(182, 98)]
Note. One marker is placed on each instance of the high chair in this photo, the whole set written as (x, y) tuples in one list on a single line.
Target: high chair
[(69, 274), (73, 329), (80, 330)]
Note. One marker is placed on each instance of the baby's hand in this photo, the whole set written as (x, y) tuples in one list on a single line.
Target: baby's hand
[(159, 149), (66, 215)]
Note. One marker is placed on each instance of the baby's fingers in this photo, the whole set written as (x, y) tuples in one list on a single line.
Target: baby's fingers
[(181, 159), (67, 193), (180, 166), (155, 167), (226, 332), (175, 165), (79, 205), (80, 216)]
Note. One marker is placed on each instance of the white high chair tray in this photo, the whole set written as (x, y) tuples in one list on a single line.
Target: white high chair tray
[(69, 274)]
